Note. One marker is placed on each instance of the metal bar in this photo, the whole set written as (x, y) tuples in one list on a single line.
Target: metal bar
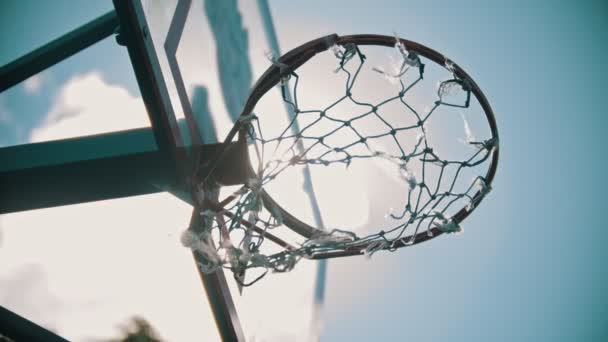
[(86, 169), (340, 254), (136, 35), (217, 207), (219, 296), (85, 181), (171, 44), (18, 328), (57, 152), (57, 50), (92, 168), (156, 97), (261, 231), (215, 284), (216, 287)]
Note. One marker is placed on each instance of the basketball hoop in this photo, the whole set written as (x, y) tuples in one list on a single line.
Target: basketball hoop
[(436, 203)]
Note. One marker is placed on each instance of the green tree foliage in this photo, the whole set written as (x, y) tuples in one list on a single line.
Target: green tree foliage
[(138, 330)]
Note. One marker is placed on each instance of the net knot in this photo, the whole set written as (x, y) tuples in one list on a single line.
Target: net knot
[(246, 120), (294, 160), (446, 225)]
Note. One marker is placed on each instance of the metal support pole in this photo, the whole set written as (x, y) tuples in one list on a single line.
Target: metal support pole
[(57, 50), (169, 139), (99, 167), (219, 296), (18, 329)]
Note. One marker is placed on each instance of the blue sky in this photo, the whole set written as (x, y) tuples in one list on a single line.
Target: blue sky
[(531, 264)]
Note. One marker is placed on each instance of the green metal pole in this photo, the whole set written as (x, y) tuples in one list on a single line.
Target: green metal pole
[(57, 50)]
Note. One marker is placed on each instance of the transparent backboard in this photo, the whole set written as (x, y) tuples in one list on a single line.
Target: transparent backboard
[(210, 53), (203, 51)]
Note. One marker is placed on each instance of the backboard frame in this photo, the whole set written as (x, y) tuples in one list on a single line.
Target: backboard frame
[(70, 168), (156, 97)]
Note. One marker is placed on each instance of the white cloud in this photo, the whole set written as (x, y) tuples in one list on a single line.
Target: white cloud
[(88, 105), (26, 290), (33, 84), (106, 261), (114, 238)]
